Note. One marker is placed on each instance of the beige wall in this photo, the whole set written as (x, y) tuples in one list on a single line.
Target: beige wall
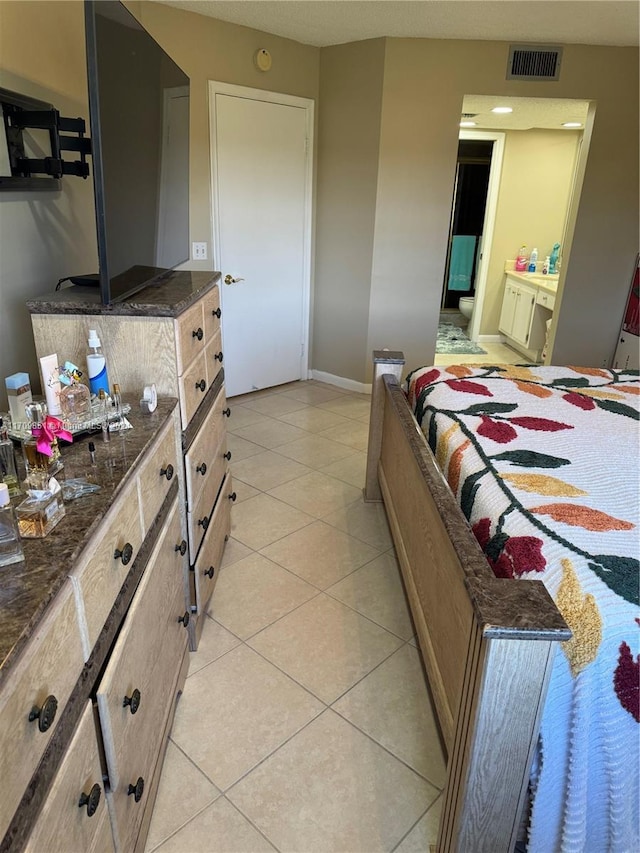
[(537, 174)]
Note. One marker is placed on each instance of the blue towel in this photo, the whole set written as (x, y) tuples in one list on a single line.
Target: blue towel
[(463, 252)]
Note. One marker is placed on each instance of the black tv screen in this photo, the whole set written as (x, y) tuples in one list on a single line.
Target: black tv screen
[(139, 111)]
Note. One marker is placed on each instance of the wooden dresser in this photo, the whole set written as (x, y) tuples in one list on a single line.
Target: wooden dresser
[(167, 334), (94, 650)]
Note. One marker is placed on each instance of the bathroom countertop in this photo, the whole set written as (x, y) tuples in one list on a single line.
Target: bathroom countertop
[(27, 588), (536, 279)]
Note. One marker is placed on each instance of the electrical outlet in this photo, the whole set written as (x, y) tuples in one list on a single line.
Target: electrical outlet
[(199, 251)]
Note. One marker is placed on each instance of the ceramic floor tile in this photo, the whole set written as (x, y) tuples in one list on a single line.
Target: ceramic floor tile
[(275, 405), (242, 416), (234, 551), (183, 792), (236, 711), (241, 448), (243, 490), (270, 433), (312, 419), (376, 591), (370, 803), (424, 833), (352, 470), (392, 705), (314, 394), (252, 396), (215, 641), (354, 433), (262, 520), (317, 494), (320, 554), (220, 828), (325, 646), (267, 470), (315, 451), (253, 593), (366, 521), (353, 406)]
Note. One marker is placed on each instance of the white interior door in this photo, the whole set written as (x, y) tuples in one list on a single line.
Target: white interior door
[(261, 182)]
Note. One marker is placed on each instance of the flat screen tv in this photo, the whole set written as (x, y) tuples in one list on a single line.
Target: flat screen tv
[(139, 111)]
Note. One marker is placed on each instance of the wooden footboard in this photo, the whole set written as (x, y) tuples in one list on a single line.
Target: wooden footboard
[(488, 643)]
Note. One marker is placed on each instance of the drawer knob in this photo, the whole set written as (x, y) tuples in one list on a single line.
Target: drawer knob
[(199, 334), (217, 313), (204, 522), (44, 715), (227, 455), (182, 547), (226, 412), (209, 572), (167, 472), (218, 357), (201, 385), (232, 497), (90, 800), (184, 618), (202, 469), (133, 701), (125, 555), (137, 790)]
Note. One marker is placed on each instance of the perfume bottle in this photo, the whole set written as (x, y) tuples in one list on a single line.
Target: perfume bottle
[(8, 472), (75, 398), (104, 414), (10, 545), (40, 466), (39, 513)]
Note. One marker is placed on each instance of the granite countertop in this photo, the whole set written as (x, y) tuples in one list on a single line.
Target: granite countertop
[(27, 588), (167, 295)]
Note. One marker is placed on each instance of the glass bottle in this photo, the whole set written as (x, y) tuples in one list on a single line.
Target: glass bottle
[(8, 472), (10, 545), (75, 397), (39, 466)]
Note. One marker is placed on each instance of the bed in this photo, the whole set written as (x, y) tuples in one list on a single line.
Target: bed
[(513, 506)]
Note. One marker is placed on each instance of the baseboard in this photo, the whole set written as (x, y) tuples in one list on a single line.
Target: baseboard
[(341, 382), (490, 339)]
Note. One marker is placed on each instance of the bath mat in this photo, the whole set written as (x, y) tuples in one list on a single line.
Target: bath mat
[(453, 340)]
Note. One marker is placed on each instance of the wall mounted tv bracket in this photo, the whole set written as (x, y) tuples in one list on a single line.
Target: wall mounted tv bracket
[(20, 113)]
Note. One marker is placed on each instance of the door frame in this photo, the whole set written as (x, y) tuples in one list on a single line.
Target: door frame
[(495, 172), (218, 88)]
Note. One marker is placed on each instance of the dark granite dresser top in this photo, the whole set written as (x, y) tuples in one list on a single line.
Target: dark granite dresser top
[(166, 295), (27, 588)]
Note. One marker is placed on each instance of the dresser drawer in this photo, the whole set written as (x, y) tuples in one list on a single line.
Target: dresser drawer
[(193, 387), (43, 678), (198, 516), (215, 357), (136, 693), (207, 565), (212, 313), (157, 473), (103, 569), (63, 824), (200, 456), (190, 336)]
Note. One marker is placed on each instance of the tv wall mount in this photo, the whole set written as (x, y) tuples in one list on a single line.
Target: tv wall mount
[(21, 172)]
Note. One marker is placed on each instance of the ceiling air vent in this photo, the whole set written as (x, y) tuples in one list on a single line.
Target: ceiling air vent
[(534, 62)]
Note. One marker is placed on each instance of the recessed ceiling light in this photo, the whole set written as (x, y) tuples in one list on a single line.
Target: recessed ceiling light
[(502, 110), (468, 124), (572, 124)]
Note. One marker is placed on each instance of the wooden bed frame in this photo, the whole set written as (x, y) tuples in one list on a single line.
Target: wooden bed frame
[(488, 643)]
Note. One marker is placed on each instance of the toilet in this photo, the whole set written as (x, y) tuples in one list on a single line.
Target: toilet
[(465, 306)]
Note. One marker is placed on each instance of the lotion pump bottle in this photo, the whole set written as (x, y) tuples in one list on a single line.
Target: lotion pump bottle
[(96, 365)]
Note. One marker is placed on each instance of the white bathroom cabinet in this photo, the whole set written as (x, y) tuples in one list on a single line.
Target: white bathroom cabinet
[(524, 314)]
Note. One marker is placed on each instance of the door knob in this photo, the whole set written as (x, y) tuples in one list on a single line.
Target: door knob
[(229, 279)]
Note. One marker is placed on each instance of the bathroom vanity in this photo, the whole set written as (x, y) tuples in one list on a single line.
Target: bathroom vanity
[(527, 304)]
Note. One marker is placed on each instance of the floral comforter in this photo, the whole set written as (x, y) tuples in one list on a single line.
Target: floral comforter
[(544, 464)]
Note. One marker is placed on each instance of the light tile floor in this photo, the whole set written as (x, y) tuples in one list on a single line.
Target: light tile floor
[(305, 724)]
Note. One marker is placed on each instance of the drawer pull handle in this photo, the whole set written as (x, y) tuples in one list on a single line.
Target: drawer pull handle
[(184, 618), (226, 412), (232, 497), (167, 472), (203, 522), (202, 469), (218, 357), (133, 701), (125, 555), (182, 547), (227, 455), (209, 572), (44, 715), (217, 313), (201, 385), (137, 790), (90, 800), (199, 334)]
